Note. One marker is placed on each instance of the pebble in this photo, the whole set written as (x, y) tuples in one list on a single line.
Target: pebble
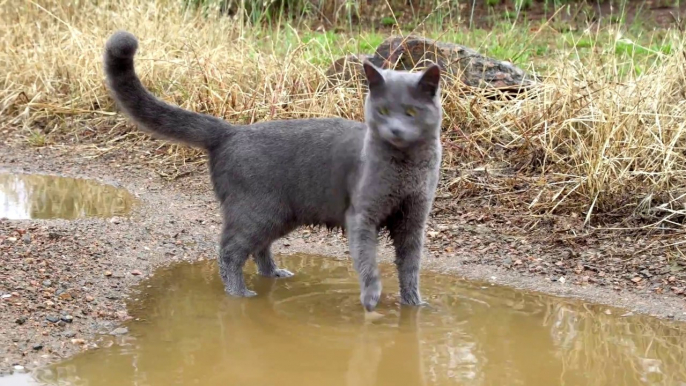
[(19, 368), (38, 346), (69, 334), (67, 318), (47, 283), (89, 298), (27, 238), (52, 318), (21, 320), (65, 296), (120, 331), (136, 272), (108, 273)]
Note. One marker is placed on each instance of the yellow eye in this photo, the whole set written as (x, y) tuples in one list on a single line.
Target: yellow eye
[(383, 110), (410, 111)]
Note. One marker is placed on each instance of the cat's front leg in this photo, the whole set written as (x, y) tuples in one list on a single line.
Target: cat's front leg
[(362, 238), (407, 232)]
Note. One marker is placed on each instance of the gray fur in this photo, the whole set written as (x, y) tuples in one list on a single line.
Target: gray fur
[(273, 177)]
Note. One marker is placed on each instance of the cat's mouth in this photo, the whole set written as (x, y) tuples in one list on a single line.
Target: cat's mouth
[(398, 142)]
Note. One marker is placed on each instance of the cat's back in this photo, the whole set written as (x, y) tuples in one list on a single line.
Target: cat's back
[(289, 140)]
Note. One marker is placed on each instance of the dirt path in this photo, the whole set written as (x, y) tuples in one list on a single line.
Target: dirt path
[(67, 281)]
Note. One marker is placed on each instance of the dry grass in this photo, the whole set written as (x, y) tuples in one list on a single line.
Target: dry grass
[(594, 140)]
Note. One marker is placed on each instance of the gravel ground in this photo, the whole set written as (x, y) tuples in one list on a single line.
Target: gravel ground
[(64, 283)]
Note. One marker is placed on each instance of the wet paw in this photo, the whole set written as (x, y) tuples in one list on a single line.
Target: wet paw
[(278, 273), (244, 293), (370, 295), (415, 301)]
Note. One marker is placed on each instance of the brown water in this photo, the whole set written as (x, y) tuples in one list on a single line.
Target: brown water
[(310, 330), (35, 196)]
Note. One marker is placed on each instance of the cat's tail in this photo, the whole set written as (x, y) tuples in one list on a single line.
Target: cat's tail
[(154, 115)]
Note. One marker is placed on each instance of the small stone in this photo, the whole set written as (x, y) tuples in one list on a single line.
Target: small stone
[(19, 369), (69, 334), (67, 318), (636, 279), (21, 320), (52, 318), (108, 273), (286, 244), (27, 238), (120, 331), (78, 341), (12, 239), (672, 279), (65, 296), (38, 346), (136, 272), (627, 314), (608, 312), (89, 298), (49, 303), (6, 296), (562, 279), (47, 283)]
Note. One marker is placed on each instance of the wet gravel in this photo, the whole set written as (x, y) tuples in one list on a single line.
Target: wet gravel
[(64, 284)]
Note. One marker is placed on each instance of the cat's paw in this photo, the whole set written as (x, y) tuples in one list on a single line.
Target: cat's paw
[(241, 293), (413, 300), (278, 273), (370, 295), (283, 273)]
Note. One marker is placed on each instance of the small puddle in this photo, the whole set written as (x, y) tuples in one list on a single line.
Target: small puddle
[(309, 330), (36, 196)]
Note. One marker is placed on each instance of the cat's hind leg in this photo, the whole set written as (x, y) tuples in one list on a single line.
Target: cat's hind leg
[(266, 265), (232, 257)]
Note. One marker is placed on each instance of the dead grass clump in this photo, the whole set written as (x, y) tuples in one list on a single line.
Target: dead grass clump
[(588, 141), (582, 143)]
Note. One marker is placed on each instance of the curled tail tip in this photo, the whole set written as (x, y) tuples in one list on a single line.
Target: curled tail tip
[(121, 44)]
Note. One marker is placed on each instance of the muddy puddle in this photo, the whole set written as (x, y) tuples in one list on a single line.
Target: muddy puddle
[(309, 330), (35, 196)]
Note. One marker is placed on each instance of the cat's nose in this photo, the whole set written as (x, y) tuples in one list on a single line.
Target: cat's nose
[(396, 132)]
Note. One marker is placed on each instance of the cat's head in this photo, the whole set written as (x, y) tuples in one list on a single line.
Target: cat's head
[(403, 108)]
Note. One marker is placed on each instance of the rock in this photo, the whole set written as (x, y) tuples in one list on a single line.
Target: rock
[(67, 318), (78, 341), (38, 346), (108, 273), (89, 298), (47, 283), (52, 318), (27, 238), (136, 272), (69, 334), (120, 331), (349, 68), (65, 296), (406, 53), (21, 320)]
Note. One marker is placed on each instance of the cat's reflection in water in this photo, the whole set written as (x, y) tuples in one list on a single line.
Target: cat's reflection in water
[(382, 357)]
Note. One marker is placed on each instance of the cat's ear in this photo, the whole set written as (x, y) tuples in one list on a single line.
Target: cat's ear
[(431, 78), (374, 77)]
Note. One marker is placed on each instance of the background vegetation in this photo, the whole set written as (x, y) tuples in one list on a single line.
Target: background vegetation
[(601, 139)]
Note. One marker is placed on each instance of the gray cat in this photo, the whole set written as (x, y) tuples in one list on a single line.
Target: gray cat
[(273, 177)]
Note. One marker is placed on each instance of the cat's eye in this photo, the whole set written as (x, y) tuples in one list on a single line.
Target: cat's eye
[(383, 110), (410, 111)]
